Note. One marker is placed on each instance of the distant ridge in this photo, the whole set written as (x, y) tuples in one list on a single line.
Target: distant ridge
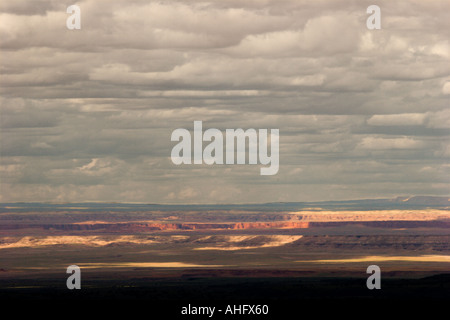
[(401, 202), (424, 200)]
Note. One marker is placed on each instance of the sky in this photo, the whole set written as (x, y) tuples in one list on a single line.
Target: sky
[(87, 115)]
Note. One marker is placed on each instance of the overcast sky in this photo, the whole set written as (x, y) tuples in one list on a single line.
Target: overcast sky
[(87, 115)]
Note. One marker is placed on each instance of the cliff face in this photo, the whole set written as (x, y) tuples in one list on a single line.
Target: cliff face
[(155, 226), (160, 226)]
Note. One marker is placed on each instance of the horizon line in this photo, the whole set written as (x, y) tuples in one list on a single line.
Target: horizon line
[(216, 204)]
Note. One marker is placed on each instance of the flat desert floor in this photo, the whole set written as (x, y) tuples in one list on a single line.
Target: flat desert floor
[(226, 256)]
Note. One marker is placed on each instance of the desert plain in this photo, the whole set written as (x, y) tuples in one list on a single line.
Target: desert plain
[(274, 252)]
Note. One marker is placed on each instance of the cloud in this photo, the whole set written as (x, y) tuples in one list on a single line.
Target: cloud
[(440, 119), (406, 119), (373, 143), (86, 115), (446, 88)]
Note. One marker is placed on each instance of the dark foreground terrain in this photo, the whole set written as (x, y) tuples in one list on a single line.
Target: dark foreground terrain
[(286, 297)]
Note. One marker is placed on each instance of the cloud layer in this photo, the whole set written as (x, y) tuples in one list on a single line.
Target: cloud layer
[(87, 115)]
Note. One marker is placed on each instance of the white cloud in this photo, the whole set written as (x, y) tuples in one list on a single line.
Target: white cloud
[(446, 88), (375, 143), (405, 119)]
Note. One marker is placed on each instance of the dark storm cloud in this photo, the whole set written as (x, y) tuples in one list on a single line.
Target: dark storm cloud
[(87, 114)]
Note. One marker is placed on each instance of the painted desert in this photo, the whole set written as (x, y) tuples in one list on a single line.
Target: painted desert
[(276, 253)]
